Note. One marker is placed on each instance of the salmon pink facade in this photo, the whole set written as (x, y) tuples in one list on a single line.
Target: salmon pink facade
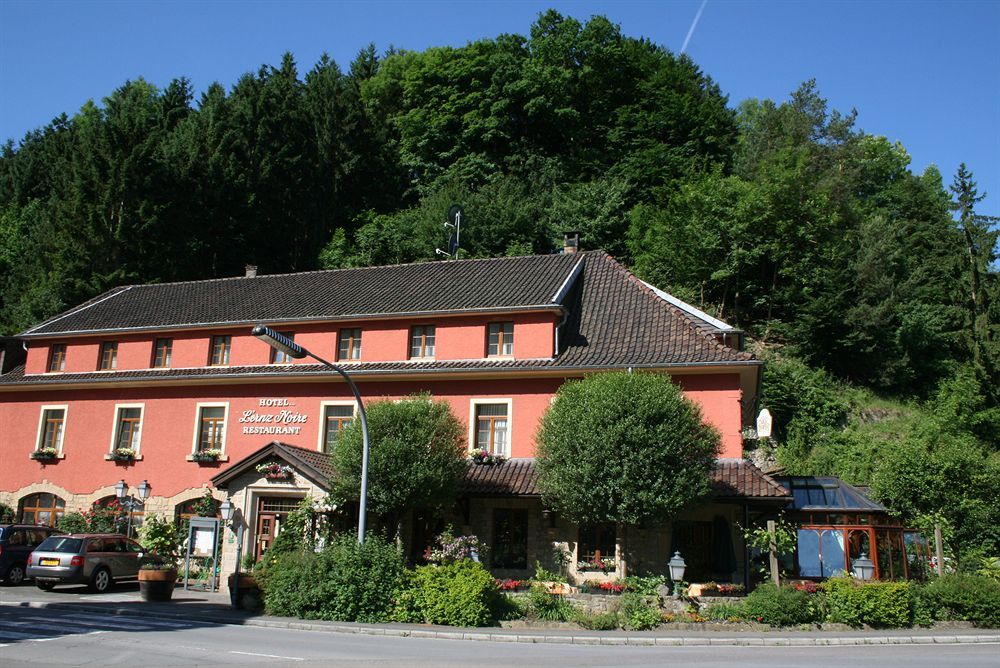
[(166, 384)]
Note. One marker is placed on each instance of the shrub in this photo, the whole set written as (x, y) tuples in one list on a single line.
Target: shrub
[(601, 621), (779, 606), (958, 597), (645, 585), (878, 604), (73, 523), (549, 607), (724, 612), (159, 536), (462, 593), (637, 614), (6, 513), (344, 582)]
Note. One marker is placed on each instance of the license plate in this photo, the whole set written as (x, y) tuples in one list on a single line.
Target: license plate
[(49, 562)]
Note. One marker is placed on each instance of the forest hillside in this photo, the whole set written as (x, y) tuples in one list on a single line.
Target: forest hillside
[(872, 291)]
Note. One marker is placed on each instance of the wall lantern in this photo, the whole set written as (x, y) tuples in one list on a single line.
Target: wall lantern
[(864, 568), (677, 566), (226, 510), (143, 490), (121, 489)]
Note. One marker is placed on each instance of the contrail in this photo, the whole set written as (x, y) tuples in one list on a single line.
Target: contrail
[(694, 24)]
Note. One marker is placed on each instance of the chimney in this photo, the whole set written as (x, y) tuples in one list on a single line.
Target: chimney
[(571, 242), (251, 271)]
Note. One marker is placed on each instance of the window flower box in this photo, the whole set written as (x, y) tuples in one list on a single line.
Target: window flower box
[(207, 456), (123, 455), (274, 471), (602, 564), (45, 454), (599, 587), (483, 458)]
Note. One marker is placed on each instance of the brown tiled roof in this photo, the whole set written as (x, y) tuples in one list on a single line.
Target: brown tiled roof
[(463, 285), (313, 464), (515, 477), (731, 479), (614, 320)]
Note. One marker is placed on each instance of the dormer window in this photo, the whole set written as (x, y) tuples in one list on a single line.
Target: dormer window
[(220, 351), (500, 342), (109, 356), (57, 357), (349, 345), (280, 356), (162, 351), (422, 342)]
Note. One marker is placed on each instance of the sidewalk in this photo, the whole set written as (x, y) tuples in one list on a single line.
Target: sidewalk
[(214, 608)]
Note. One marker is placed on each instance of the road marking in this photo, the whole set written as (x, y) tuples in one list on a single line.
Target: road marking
[(268, 656)]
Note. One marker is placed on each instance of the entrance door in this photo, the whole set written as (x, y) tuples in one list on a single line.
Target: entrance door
[(271, 514)]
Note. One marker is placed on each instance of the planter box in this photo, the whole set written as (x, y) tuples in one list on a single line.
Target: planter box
[(157, 585)]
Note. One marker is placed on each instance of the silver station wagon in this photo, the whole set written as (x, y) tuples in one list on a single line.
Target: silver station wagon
[(94, 559)]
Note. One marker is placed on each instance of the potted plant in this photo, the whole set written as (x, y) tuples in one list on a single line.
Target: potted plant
[(483, 458), (274, 471), (209, 455), (45, 454), (123, 455), (158, 568)]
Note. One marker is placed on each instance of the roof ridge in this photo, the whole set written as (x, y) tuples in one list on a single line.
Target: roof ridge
[(352, 269)]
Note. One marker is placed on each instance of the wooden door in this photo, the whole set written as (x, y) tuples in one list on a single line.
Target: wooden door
[(271, 514)]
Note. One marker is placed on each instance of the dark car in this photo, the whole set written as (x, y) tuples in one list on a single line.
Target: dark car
[(16, 543), (94, 559)]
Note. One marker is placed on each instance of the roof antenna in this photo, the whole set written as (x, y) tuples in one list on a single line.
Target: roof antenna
[(455, 240)]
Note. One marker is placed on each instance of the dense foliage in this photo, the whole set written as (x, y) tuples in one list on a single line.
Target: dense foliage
[(345, 581), (624, 447), (462, 593), (417, 455), (782, 217), (876, 604), (780, 606), (969, 598)]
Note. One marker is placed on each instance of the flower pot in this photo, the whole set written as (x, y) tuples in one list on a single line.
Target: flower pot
[(157, 585)]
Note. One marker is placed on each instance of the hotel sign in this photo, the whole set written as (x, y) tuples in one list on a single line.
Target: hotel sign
[(281, 419)]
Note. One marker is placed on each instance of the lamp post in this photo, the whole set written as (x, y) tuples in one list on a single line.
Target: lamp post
[(677, 566), (863, 567), (292, 349), (131, 503), (228, 512)]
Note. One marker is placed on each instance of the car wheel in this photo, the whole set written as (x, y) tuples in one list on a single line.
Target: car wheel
[(45, 586), (15, 575), (101, 581)]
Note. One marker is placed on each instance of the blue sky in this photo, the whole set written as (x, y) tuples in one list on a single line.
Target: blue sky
[(923, 73)]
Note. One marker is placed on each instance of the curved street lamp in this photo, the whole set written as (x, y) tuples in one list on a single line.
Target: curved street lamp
[(292, 349)]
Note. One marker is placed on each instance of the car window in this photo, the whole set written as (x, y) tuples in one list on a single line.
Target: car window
[(95, 545), (133, 546), (17, 538), (38, 535), (61, 544)]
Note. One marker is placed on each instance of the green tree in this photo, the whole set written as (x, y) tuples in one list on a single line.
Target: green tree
[(622, 447), (417, 457)]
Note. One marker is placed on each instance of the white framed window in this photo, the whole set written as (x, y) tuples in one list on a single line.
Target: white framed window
[(127, 431), (52, 427), (335, 416), (210, 421), (490, 423), (349, 344)]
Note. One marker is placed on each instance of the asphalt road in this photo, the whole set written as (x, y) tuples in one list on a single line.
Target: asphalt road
[(55, 637)]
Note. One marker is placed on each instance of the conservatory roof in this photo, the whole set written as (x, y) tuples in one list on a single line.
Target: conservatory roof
[(827, 493)]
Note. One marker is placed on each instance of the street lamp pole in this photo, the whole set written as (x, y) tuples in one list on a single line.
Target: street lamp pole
[(131, 503), (292, 349)]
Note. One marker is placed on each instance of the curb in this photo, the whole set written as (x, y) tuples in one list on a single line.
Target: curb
[(487, 636)]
